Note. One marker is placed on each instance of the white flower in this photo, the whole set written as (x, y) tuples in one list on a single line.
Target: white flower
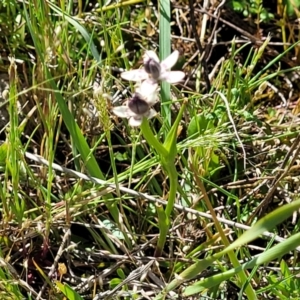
[(139, 106), (154, 70), (135, 110), (149, 91)]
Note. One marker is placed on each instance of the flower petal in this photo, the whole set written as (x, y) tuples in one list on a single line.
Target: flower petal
[(135, 75), (172, 76), (152, 113), (170, 61), (150, 55), (148, 90), (135, 121), (121, 111)]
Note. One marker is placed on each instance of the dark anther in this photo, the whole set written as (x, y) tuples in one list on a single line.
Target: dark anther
[(138, 105), (152, 67)]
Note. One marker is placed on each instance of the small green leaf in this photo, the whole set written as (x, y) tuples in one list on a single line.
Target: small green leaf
[(68, 291), (3, 153), (114, 282), (121, 156), (114, 229), (121, 274)]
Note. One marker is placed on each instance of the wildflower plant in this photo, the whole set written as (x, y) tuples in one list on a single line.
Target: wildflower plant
[(139, 109)]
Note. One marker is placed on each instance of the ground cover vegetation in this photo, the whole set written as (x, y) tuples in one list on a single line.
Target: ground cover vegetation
[(149, 149)]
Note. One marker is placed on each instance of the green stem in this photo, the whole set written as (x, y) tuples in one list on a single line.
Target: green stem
[(173, 179), (167, 161), (164, 216), (163, 225), (152, 140)]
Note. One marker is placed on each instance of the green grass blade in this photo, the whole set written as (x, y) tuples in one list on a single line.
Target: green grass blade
[(274, 253), (266, 224), (81, 29), (164, 51)]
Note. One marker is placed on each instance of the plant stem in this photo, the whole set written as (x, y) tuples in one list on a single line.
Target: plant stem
[(152, 140)]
